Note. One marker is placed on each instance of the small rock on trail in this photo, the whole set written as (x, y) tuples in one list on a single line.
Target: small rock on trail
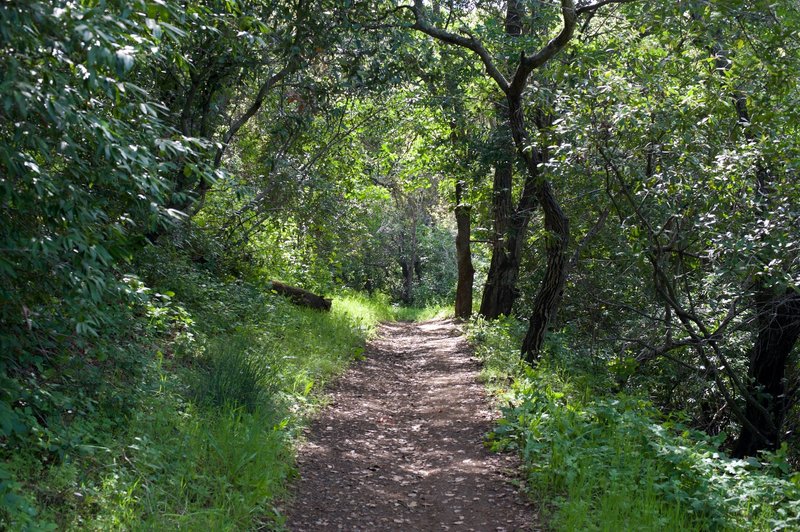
[(400, 447)]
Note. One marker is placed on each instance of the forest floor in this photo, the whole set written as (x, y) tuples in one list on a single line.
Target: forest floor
[(400, 446)]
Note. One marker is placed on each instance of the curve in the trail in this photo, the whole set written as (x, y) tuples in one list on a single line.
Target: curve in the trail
[(400, 447)]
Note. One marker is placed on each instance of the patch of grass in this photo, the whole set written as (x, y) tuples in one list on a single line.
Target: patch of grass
[(223, 468), (235, 373), (612, 462), (190, 469), (431, 312), (313, 346), (368, 310), (223, 471)]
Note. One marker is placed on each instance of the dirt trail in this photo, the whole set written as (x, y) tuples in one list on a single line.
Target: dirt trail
[(400, 446)]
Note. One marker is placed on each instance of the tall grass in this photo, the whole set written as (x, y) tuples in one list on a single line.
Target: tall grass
[(235, 373), (222, 468), (364, 310), (187, 470)]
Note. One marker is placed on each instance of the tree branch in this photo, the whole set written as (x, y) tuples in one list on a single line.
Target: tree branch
[(253, 108), (591, 8), (596, 228), (470, 42), (556, 44)]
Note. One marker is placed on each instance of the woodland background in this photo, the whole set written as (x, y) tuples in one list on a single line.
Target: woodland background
[(612, 183)]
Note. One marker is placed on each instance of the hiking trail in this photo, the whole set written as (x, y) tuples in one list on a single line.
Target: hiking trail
[(400, 446)]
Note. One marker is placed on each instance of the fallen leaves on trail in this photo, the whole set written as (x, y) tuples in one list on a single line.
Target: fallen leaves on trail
[(401, 445)]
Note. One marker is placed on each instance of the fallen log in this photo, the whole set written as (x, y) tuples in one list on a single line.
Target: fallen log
[(301, 297)]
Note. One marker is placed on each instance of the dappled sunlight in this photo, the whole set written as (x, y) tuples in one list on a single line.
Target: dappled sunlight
[(401, 444)]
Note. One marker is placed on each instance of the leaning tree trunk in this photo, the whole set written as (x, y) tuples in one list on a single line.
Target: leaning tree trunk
[(548, 299), (556, 225), (466, 273), (779, 328)]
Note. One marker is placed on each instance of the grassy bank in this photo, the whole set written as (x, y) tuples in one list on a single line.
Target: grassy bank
[(596, 460), (219, 377)]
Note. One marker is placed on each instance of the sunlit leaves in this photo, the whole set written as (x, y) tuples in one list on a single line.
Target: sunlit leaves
[(85, 157)]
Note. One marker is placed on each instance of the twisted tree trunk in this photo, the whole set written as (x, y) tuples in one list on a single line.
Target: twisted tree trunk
[(556, 224), (500, 290)]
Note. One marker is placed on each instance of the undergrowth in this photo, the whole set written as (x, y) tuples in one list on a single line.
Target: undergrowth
[(604, 461), (199, 434)]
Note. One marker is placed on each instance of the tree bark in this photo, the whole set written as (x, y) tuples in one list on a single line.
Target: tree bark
[(408, 281), (408, 263), (777, 316), (556, 224), (779, 328), (513, 23), (500, 290), (466, 273)]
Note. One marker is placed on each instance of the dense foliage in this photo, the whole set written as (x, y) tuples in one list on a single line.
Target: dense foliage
[(608, 461), (624, 171)]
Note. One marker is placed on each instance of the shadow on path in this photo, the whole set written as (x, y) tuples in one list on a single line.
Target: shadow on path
[(400, 447)]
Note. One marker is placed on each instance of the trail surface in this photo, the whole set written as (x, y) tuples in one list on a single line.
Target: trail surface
[(400, 446)]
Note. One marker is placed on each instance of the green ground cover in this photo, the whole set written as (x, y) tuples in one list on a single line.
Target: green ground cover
[(597, 460)]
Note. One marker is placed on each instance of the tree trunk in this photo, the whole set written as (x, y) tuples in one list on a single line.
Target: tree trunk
[(556, 224), (466, 273), (513, 23), (778, 319), (500, 290), (408, 261), (779, 328), (408, 281), (548, 299)]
